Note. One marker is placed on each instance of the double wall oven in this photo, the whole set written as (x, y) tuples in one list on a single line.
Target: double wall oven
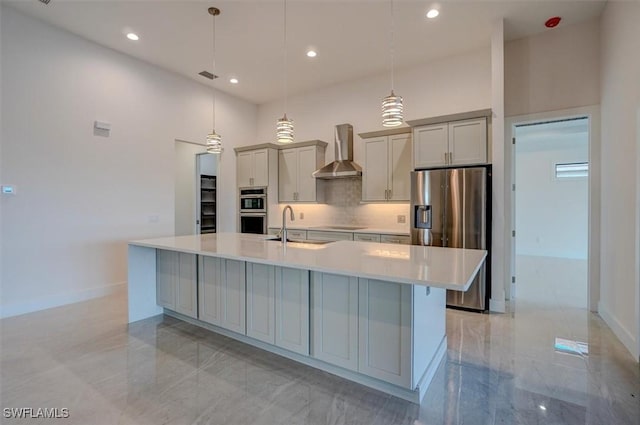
[(253, 210)]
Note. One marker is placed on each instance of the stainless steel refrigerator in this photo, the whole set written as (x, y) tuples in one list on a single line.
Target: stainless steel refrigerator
[(451, 207)]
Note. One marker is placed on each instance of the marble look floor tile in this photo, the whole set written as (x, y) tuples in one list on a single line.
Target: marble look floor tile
[(499, 369)]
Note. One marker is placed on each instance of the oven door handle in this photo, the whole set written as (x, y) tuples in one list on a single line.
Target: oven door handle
[(253, 196)]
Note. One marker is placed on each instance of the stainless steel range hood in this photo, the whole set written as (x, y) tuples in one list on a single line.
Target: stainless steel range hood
[(343, 166)]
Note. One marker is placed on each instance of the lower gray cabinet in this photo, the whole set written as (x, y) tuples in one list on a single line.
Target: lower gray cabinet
[(166, 272), (222, 293), (292, 309), (209, 290), (261, 302), (335, 319), (384, 334), (176, 282)]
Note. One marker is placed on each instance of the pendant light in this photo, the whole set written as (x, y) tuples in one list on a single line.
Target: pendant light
[(284, 127), (214, 141), (392, 112)]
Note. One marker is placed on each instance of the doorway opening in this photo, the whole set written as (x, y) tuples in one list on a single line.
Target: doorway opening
[(551, 164), (195, 189)]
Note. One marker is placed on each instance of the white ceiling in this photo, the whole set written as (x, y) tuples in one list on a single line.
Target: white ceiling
[(351, 36)]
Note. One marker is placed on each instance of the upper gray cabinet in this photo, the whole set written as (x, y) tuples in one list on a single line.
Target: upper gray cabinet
[(454, 143), (295, 168), (387, 167), (252, 167)]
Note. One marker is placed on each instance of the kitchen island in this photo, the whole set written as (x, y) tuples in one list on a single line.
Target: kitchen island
[(370, 312)]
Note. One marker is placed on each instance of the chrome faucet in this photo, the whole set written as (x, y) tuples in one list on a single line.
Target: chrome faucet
[(283, 231)]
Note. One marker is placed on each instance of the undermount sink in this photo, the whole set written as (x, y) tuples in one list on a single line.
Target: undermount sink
[(301, 241)]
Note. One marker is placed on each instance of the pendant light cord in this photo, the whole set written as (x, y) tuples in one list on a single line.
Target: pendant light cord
[(284, 43), (213, 71), (391, 47)]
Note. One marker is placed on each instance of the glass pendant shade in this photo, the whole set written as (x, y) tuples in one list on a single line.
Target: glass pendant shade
[(214, 142), (392, 111), (284, 130)]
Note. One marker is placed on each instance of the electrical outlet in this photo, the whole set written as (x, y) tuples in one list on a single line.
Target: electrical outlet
[(301, 216), (402, 218)]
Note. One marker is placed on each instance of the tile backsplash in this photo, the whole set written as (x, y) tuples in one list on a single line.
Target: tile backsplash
[(343, 207)]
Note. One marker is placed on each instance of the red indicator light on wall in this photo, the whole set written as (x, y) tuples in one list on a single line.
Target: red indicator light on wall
[(552, 22)]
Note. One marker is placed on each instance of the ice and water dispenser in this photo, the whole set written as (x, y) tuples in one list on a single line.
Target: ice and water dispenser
[(422, 216)]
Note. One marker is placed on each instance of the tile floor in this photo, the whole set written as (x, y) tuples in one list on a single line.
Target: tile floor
[(500, 369)]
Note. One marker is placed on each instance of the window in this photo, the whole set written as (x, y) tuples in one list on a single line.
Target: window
[(572, 170)]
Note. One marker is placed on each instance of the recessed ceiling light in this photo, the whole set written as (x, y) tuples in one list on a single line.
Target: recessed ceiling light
[(233, 81), (433, 13), (542, 407), (133, 36), (312, 53)]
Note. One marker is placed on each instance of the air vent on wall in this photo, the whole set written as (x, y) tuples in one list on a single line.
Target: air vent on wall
[(44, 1), (207, 74)]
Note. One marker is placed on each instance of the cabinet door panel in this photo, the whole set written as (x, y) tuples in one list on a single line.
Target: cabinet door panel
[(186, 289), (233, 296), (244, 165), (468, 142), (166, 276), (292, 309), (430, 144), (385, 331), (287, 175), (306, 166), (209, 287), (261, 167), (335, 319), (375, 172), (400, 167), (261, 302)]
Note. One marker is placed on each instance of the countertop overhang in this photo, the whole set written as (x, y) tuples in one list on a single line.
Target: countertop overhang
[(448, 268)]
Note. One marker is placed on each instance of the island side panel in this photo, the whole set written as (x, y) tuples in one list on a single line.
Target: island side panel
[(429, 329), (142, 283)]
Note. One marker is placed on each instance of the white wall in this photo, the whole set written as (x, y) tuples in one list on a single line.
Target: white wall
[(620, 93), (551, 213), (82, 197), (450, 85), (455, 84), (556, 69)]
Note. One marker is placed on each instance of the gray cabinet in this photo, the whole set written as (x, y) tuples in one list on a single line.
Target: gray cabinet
[(295, 181), (261, 302), (399, 239), (176, 282), (335, 319), (222, 293), (387, 168), (319, 235), (209, 290), (384, 333), (252, 168), (455, 143), (292, 309)]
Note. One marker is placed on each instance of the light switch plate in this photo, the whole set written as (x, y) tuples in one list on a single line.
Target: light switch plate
[(402, 218), (301, 216)]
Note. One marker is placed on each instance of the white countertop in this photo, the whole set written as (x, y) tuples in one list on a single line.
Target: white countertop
[(376, 230), (449, 268)]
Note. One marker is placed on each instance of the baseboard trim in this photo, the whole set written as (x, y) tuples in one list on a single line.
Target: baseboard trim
[(623, 334), (497, 306), (17, 309)]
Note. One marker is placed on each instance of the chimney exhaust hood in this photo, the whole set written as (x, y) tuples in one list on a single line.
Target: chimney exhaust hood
[(343, 166)]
